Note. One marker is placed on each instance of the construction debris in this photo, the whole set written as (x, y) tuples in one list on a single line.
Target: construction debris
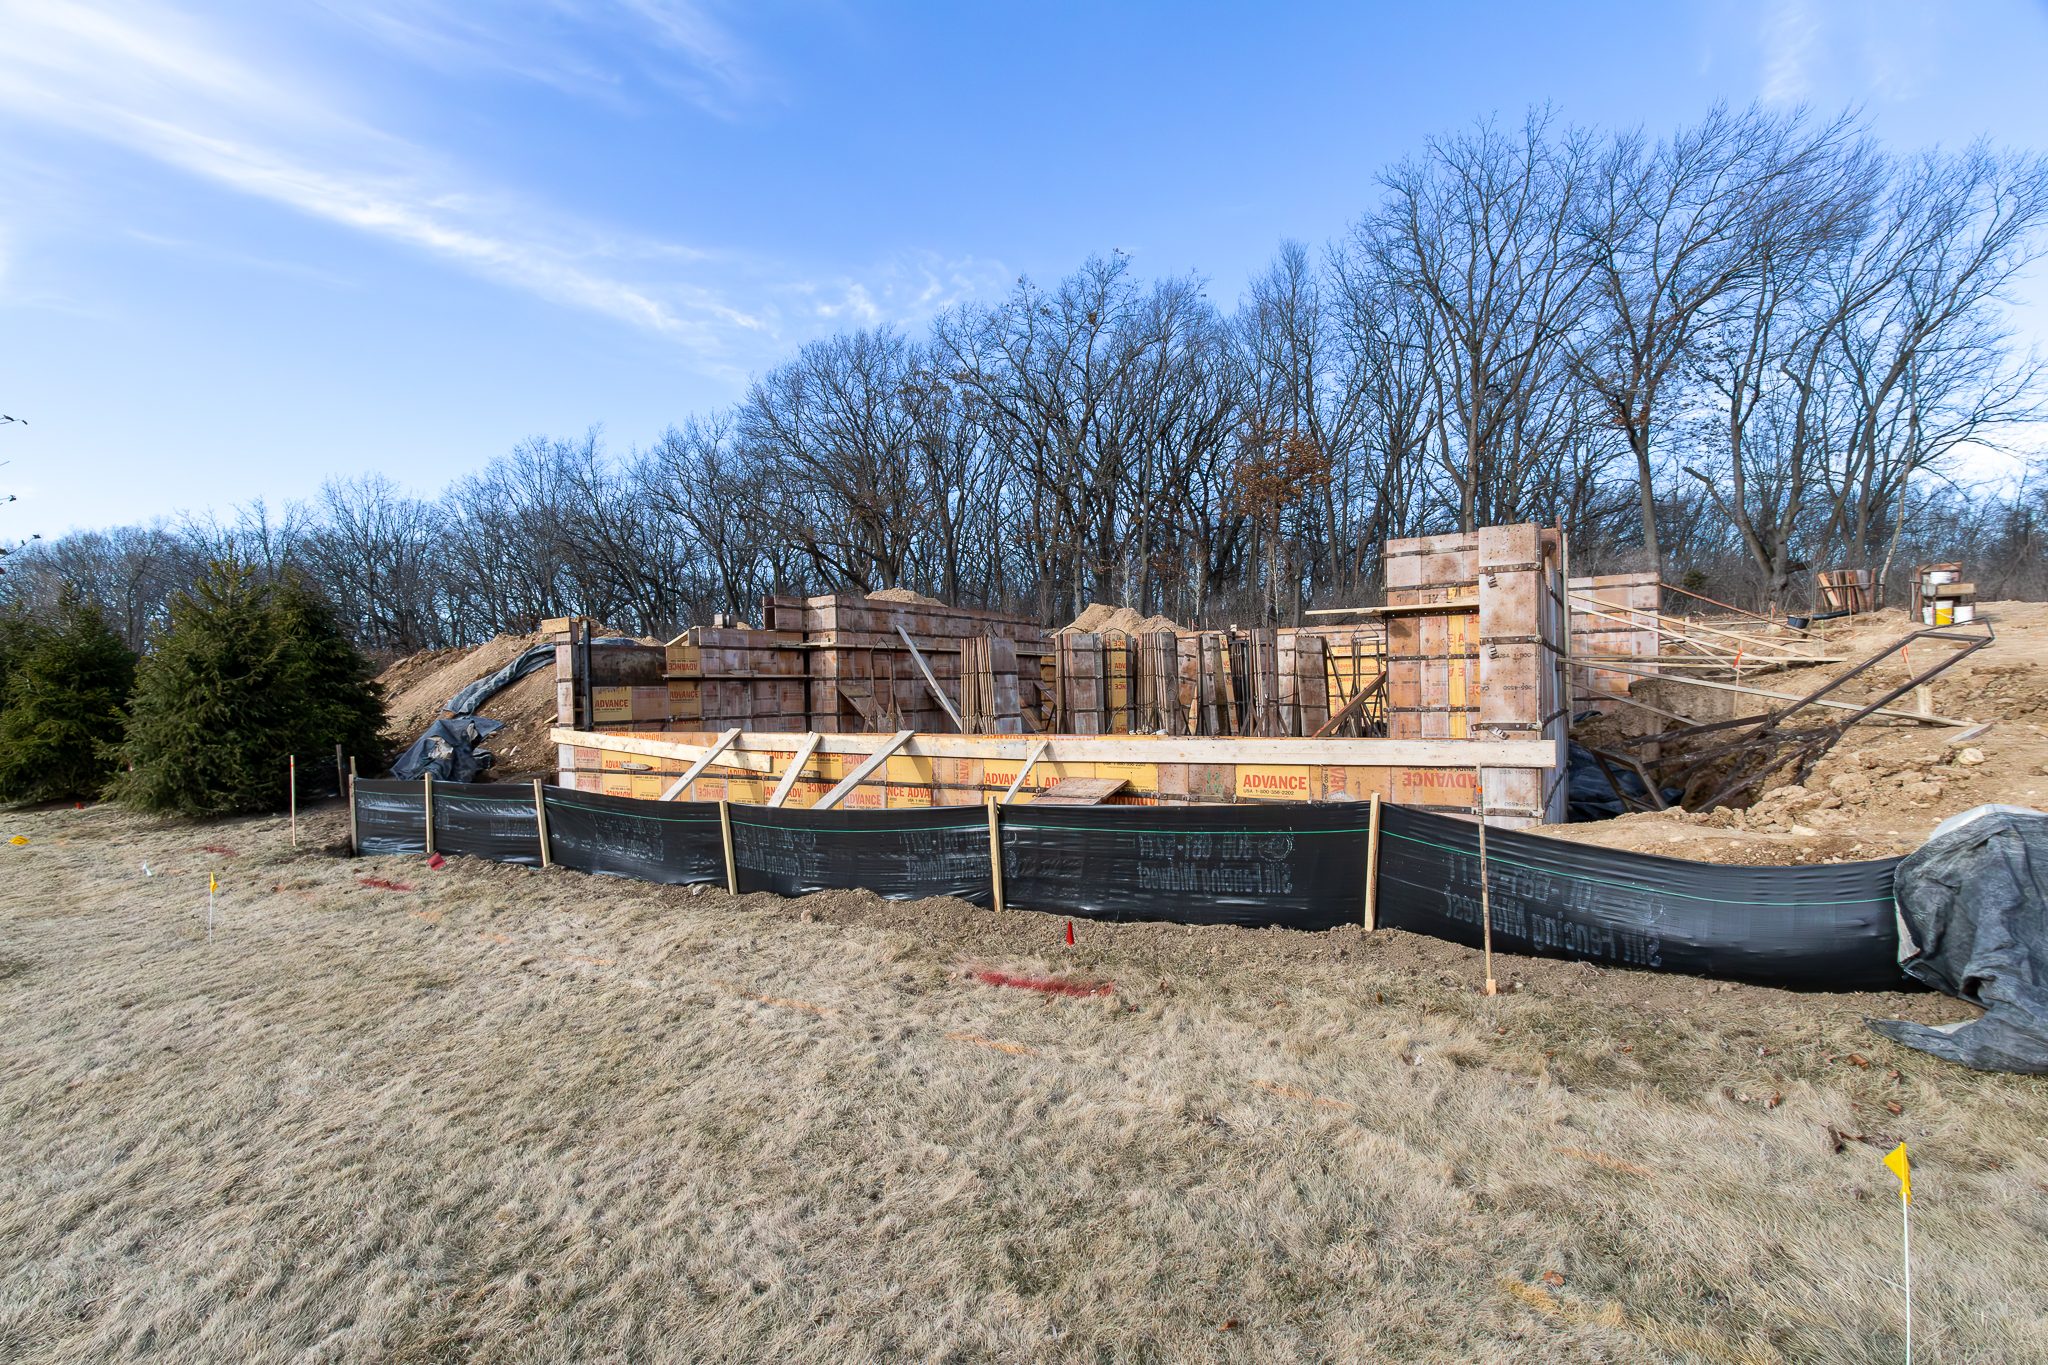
[(1724, 769)]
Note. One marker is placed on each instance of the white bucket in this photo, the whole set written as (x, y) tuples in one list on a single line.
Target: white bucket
[(1927, 616), (1965, 611), (1937, 576)]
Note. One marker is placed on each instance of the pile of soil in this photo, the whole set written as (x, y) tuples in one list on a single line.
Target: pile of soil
[(916, 599), (419, 685), (1101, 618)]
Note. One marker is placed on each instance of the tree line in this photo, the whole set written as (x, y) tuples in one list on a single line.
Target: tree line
[(1758, 347)]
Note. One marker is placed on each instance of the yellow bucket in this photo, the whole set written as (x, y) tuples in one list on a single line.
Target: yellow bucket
[(1944, 614)]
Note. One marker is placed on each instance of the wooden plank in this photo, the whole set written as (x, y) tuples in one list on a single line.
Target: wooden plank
[(1785, 696), (1352, 707), (795, 770), (932, 682), (1462, 608), (1079, 791), (682, 784), (1025, 771), (751, 751), (873, 761)]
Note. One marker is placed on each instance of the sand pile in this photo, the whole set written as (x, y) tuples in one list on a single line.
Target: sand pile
[(916, 599), (1101, 618)]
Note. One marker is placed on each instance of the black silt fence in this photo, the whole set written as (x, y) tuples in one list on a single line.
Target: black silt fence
[(678, 843), (1301, 867), (898, 854), (390, 816), (1828, 927)]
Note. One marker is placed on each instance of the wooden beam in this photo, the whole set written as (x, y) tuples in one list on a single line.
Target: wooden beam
[(1464, 606), (540, 820), (995, 856), (752, 750), (931, 682), (1025, 771), (1688, 631), (1372, 864), (1357, 703), (872, 762), (796, 768), (1783, 696), (725, 741)]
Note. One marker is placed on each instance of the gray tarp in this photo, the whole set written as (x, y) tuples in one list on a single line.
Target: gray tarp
[(1973, 923)]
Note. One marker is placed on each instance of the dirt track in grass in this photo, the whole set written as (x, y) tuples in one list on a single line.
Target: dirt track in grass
[(520, 1116)]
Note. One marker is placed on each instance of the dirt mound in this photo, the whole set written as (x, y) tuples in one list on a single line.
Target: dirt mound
[(418, 686), (1882, 790), (916, 599), (1101, 618)]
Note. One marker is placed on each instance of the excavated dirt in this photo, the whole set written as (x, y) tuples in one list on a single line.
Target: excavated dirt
[(1882, 790), (916, 599), (1100, 617), (418, 686)]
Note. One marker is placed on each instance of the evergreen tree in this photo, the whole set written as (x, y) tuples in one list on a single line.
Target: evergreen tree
[(63, 704), (248, 674)]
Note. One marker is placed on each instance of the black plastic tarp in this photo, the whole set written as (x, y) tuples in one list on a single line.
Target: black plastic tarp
[(1302, 867), (897, 854), (1973, 913), (674, 842), (451, 749), (471, 698), (1829, 927), (1589, 795)]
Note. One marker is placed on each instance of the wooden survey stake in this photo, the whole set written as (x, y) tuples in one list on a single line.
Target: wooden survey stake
[(1372, 865)]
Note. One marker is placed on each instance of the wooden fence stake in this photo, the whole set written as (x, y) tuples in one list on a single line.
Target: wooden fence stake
[(995, 855), (355, 843), (540, 820), (1372, 865), (732, 870), (427, 803), (1485, 905)]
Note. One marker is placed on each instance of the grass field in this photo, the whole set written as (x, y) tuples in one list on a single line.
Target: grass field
[(519, 1116)]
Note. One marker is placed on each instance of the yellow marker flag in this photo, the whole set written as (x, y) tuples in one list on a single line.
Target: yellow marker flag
[(1903, 1170), (213, 884), (18, 840)]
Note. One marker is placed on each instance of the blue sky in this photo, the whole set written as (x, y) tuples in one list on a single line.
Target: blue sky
[(245, 246)]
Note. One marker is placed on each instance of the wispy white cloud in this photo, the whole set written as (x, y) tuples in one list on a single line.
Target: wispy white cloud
[(912, 289), (156, 81), (677, 46), (1877, 49), (1789, 41)]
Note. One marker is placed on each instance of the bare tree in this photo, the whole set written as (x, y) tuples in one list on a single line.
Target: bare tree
[(1483, 227), (1680, 230)]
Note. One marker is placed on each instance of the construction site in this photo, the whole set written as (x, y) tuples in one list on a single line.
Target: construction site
[(1506, 960), (1461, 693)]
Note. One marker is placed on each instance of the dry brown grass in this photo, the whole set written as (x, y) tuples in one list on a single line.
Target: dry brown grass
[(518, 1116)]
